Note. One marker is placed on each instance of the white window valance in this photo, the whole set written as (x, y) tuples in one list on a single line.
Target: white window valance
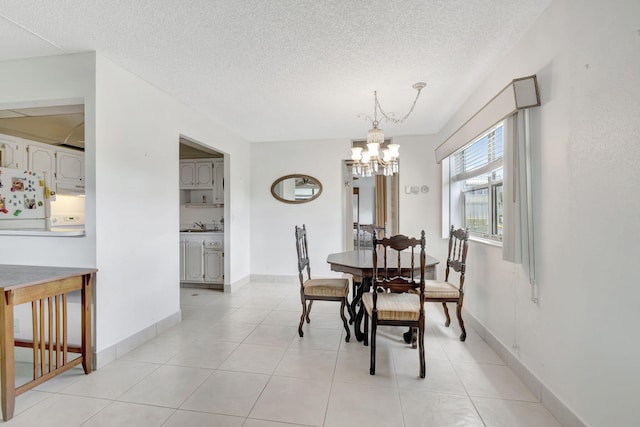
[(519, 94)]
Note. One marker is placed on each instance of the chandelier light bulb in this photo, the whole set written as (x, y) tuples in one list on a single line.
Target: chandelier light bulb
[(394, 150), (373, 148), (356, 153), (366, 156)]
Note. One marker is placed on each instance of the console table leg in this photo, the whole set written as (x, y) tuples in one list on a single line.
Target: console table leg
[(7, 357), (87, 362)]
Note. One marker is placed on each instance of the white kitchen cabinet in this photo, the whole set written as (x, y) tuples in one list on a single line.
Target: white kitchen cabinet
[(182, 255), (213, 266), (69, 171), (187, 174), (13, 152), (196, 174), (218, 181), (42, 159), (201, 258), (193, 260), (64, 167)]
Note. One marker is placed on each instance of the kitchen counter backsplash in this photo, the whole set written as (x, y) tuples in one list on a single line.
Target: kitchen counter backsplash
[(212, 226)]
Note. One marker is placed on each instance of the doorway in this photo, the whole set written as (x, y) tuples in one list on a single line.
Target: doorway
[(202, 212), (371, 205)]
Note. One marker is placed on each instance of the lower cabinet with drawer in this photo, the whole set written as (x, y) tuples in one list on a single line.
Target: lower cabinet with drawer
[(201, 258)]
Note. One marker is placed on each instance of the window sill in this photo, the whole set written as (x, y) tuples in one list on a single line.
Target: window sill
[(486, 241)]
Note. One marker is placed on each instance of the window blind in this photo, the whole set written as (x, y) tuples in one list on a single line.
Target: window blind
[(481, 156)]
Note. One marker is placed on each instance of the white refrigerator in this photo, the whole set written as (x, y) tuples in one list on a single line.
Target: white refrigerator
[(22, 199)]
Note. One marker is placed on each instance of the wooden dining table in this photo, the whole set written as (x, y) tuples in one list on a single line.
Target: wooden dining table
[(359, 263)]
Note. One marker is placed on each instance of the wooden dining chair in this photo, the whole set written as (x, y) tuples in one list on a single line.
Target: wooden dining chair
[(331, 289), (452, 290), (397, 290)]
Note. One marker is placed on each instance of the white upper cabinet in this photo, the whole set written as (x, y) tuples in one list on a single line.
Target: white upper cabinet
[(70, 171), (42, 159), (187, 174), (196, 174), (204, 180), (64, 167), (218, 181), (13, 152), (204, 174)]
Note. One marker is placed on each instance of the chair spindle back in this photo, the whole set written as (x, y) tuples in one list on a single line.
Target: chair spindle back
[(392, 273), (303, 253), (457, 257)]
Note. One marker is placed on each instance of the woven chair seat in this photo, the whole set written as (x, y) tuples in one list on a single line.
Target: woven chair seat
[(326, 287), (393, 306), (435, 289)]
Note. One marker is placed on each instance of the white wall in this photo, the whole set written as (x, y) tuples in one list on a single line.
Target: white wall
[(137, 202), (421, 211), (579, 340), (272, 247)]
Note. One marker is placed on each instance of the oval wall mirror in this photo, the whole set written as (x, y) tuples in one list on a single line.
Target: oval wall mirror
[(296, 188)]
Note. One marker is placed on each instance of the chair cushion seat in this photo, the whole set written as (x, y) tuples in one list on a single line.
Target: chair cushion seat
[(392, 306), (326, 287), (435, 289)]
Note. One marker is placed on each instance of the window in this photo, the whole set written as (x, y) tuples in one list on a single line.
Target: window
[(476, 192)]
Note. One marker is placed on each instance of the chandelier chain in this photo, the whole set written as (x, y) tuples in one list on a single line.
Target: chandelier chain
[(380, 156), (390, 118)]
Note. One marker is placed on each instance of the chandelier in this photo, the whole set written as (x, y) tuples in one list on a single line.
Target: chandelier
[(380, 156)]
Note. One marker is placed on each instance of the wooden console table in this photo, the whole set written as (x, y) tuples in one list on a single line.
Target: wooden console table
[(46, 289)]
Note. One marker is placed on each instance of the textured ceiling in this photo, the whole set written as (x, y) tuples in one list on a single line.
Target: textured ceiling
[(286, 69)]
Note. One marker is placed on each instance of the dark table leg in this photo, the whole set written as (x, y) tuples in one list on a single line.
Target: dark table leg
[(410, 337), (355, 299), (363, 287)]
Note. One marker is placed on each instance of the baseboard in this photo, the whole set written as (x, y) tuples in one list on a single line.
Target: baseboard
[(232, 287), (271, 278), (109, 354), (547, 398), (215, 286)]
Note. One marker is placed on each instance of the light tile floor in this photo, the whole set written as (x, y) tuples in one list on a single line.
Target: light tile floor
[(236, 360)]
